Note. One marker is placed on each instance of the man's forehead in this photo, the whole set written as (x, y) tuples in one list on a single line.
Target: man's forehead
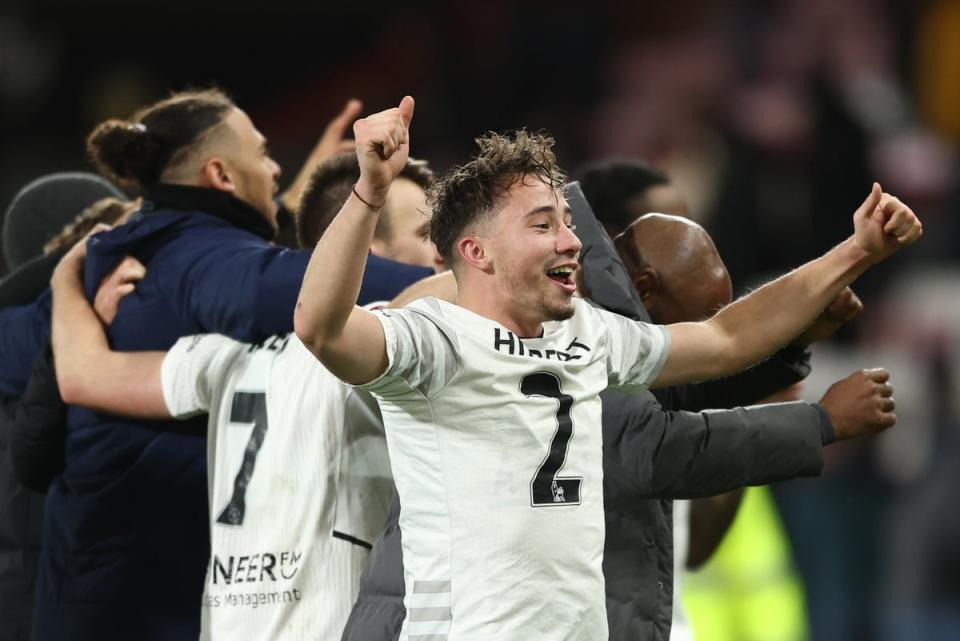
[(532, 193), (243, 126)]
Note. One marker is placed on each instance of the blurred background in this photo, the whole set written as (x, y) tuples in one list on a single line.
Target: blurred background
[(771, 116)]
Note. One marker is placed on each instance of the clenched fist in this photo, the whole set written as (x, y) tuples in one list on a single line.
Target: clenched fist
[(844, 308), (383, 145), (860, 404)]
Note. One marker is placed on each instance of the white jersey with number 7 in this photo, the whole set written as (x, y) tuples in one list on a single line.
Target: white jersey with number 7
[(299, 485)]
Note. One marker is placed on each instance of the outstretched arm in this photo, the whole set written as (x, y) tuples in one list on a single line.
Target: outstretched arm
[(858, 405), (88, 372), (753, 327), (348, 339), (788, 366)]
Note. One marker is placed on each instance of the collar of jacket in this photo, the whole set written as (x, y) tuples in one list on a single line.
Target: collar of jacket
[(210, 201)]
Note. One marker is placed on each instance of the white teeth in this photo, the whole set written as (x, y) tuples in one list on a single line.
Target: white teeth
[(561, 271)]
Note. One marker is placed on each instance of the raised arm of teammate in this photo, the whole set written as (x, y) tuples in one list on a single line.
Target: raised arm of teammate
[(346, 338), (756, 325)]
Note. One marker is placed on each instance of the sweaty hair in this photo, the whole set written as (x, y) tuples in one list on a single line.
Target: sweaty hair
[(470, 192), (610, 185), (106, 210), (157, 137), (330, 186)]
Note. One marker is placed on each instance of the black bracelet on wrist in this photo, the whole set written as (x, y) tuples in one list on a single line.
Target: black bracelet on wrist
[(364, 201)]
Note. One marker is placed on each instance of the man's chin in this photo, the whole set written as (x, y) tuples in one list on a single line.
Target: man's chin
[(561, 312)]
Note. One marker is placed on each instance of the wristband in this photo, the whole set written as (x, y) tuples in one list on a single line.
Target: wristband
[(364, 201)]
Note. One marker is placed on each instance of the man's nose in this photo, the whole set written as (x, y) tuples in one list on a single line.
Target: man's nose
[(568, 241)]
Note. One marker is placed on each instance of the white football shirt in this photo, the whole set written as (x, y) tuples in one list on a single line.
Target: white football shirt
[(299, 485), (495, 445)]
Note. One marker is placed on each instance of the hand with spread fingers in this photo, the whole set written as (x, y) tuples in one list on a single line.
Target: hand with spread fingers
[(860, 404)]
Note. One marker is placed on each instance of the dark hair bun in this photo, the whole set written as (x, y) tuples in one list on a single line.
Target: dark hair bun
[(125, 150)]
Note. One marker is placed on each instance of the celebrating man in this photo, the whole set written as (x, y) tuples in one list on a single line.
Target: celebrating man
[(492, 405)]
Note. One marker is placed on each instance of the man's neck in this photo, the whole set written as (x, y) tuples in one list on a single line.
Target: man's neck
[(491, 303), (210, 201)]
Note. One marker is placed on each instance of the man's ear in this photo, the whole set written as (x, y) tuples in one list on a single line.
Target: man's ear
[(647, 283), (474, 253), (217, 175)]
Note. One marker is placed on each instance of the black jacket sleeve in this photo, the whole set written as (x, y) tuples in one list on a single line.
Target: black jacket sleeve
[(40, 428), (788, 366), (653, 453)]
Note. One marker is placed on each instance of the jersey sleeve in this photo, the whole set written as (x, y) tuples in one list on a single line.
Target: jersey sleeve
[(193, 368), (421, 354), (636, 351)]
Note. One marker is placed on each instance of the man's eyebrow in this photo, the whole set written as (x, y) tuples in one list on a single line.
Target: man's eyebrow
[(423, 230), (545, 209)]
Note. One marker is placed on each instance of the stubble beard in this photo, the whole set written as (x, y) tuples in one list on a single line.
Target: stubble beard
[(560, 311), (554, 306), (549, 305)]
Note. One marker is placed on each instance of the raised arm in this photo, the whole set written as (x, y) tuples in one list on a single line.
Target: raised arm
[(331, 143), (89, 373), (347, 339), (755, 326)]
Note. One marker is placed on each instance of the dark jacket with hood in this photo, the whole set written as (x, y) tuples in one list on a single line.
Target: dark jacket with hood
[(650, 456), (125, 530)]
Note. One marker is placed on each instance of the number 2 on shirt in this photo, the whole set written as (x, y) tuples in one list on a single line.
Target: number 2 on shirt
[(547, 488)]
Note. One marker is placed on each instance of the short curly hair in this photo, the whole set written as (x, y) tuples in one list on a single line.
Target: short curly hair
[(469, 192), (331, 184)]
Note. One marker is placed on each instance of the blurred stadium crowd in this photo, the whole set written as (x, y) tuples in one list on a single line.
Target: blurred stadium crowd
[(771, 118)]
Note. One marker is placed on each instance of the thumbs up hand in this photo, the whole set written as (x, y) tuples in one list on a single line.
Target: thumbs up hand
[(383, 146), (883, 224)]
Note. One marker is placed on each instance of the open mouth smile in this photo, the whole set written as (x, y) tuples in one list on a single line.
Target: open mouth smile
[(563, 276)]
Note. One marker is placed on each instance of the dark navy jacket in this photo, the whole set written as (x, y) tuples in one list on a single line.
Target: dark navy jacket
[(24, 329), (125, 528)]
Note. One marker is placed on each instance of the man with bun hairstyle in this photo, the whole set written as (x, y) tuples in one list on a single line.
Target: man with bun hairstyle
[(126, 538), (332, 500)]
